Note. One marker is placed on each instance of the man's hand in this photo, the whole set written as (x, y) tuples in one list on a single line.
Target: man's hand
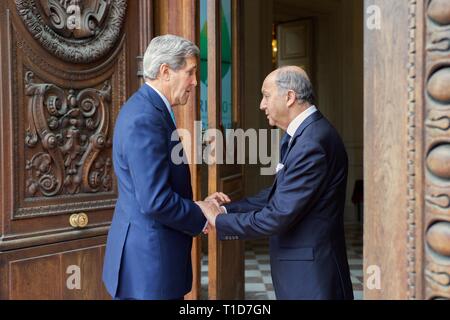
[(210, 209), (220, 197)]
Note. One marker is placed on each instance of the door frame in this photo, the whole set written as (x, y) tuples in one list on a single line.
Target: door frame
[(225, 259), (406, 141)]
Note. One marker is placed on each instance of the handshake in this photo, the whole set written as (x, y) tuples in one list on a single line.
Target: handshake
[(211, 208)]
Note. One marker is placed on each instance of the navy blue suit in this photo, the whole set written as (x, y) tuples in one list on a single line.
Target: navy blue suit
[(303, 215), (148, 251)]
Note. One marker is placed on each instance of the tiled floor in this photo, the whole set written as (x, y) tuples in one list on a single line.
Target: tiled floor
[(354, 242), (258, 282)]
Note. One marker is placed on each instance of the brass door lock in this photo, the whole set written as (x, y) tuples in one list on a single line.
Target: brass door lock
[(79, 220)]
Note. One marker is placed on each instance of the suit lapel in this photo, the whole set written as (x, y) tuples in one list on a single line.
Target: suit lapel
[(156, 101), (314, 117)]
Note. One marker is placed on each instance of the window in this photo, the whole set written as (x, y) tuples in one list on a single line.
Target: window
[(226, 65)]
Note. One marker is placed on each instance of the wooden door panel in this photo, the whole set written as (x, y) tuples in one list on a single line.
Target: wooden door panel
[(225, 258), (406, 150), (43, 272), (90, 261), (35, 278)]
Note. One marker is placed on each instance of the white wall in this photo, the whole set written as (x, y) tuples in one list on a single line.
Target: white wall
[(257, 65)]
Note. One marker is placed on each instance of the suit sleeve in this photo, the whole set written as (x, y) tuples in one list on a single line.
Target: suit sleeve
[(256, 202), (147, 152), (293, 197)]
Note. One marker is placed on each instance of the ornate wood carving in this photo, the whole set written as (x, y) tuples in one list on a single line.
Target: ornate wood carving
[(437, 150), (47, 73), (73, 30), (71, 129), (59, 71), (64, 208), (75, 19), (45, 182), (411, 202), (61, 92)]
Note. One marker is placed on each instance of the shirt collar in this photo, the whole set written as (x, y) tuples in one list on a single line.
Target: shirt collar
[(163, 97), (295, 124)]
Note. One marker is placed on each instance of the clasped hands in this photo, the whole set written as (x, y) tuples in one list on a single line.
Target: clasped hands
[(211, 207)]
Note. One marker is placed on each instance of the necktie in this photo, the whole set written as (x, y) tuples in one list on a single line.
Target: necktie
[(284, 145), (172, 115)]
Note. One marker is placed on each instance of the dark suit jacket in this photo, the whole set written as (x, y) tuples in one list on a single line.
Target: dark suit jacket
[(148, 252), (303, 214)]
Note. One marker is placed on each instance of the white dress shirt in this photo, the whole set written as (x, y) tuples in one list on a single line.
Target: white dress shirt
[(295, 124)]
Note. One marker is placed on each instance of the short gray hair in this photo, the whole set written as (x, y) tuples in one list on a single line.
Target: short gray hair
[(288, 78), (169, 49)]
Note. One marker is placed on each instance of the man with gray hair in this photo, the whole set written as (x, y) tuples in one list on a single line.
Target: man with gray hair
[(302, 211), (148, 251)]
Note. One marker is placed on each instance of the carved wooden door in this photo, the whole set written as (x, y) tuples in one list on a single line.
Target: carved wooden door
[(66, 68), (407, 149)]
